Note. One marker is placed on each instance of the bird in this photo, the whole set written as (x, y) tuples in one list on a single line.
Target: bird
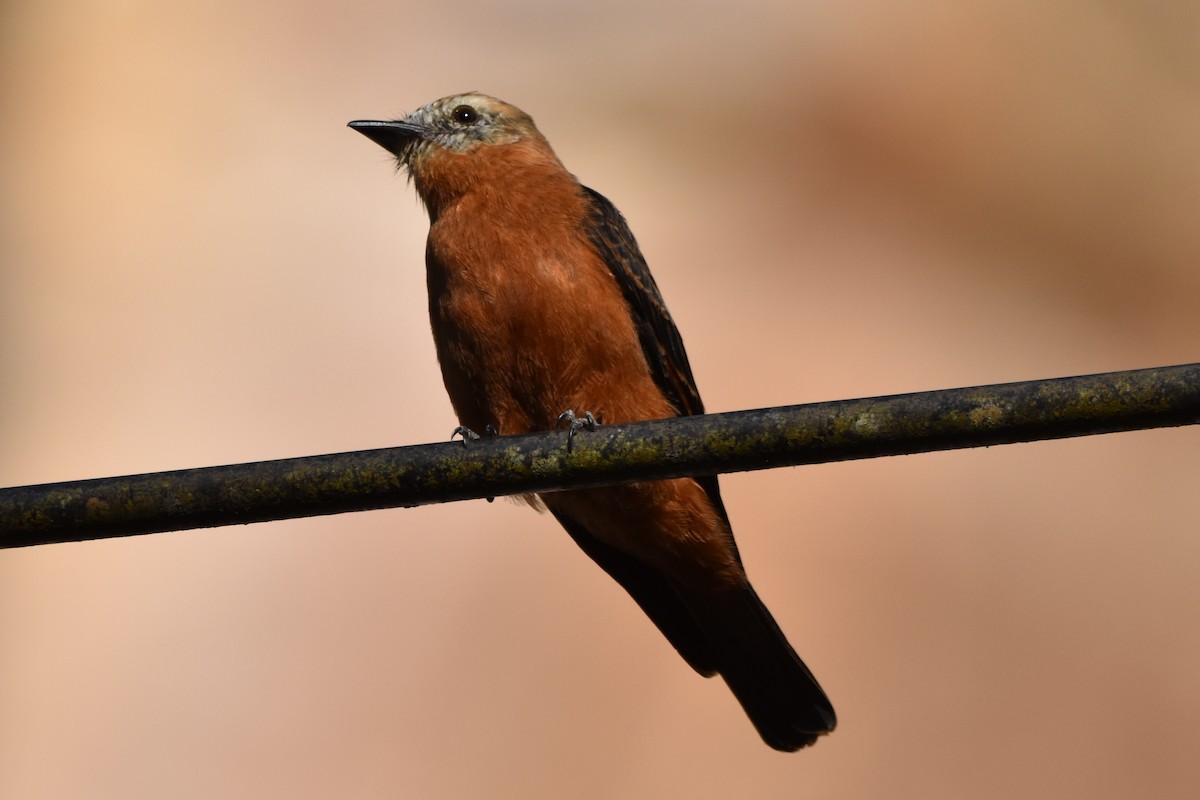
[(541, 303)]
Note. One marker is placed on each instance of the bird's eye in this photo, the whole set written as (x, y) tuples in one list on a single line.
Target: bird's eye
[(464, 115)]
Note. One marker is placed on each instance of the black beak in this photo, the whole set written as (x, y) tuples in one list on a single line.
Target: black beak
[(391, 136)]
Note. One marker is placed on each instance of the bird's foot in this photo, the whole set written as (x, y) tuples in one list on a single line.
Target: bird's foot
[(466, 433), (469, 435), (575, 424)]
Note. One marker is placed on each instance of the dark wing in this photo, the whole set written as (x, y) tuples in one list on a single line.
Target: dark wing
[(729, 632), (660, 340)]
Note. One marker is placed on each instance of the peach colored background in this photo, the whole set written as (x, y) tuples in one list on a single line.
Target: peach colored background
[(202, 265)]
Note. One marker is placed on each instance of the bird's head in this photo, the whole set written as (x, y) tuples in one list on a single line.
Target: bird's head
[(461, 142), (449, 134)]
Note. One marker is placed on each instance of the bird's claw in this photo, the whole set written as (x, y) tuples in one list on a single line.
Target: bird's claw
[(575, 424), (469, 435), (466, 433)]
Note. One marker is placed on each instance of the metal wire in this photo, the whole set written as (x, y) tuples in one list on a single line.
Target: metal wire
[(541, 462)]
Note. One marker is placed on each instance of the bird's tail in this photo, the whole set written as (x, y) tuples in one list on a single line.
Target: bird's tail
[(778, 693)]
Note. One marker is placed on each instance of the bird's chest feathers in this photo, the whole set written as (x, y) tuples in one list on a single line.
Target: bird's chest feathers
[(528, 319), (504, 283)]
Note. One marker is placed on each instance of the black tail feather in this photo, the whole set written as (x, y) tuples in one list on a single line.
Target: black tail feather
[(779, 694), (730, 632)]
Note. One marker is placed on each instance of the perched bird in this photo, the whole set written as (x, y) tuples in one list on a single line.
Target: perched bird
[(541, 303)]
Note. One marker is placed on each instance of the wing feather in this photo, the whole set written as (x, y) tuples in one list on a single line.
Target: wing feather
[(661, 343)]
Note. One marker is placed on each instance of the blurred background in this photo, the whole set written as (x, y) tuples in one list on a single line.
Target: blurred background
[(200, 264)]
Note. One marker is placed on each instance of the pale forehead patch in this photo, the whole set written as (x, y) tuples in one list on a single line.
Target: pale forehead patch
[(480, 102)]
